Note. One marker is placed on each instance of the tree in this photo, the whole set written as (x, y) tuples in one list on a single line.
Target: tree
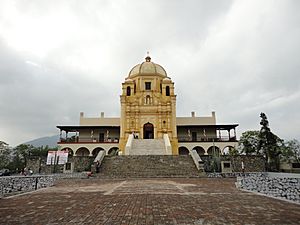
[(23, 152), (233, 151), (291, 151), (42, 151), (249, 142), (269, 144), (5, 155), (3, 146)]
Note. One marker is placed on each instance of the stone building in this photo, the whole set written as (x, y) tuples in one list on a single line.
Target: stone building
[(148, 124)]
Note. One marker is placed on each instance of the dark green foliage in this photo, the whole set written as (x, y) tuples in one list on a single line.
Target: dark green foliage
[(269, 145), (5, 155), (249, 142), (291, 151), (16, 158), (233, 151), (211, 164)]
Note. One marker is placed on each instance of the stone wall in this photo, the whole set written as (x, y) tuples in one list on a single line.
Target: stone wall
[(38, 166), (19, 184), (12, 184), (280, 185), (252, 163), (80, 163)]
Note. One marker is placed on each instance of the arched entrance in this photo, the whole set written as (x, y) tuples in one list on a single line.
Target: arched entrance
[(113, 151), (183, 151), (96, 151), (148, 131), (214, 151), (199, 150), (83, 151)]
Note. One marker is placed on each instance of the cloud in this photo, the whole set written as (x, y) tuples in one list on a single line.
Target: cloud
[(249, 63), (58, 58), (34, 98)]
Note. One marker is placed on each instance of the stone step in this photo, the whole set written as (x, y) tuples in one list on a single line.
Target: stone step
[(148, 166), (148, 147)]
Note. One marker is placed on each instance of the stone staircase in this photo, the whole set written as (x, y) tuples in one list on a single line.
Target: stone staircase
[(148, 147), (147, 166)]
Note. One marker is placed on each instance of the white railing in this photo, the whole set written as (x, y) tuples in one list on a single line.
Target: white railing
[(128, 146), (100, 157), (197, 160), (168, 146)]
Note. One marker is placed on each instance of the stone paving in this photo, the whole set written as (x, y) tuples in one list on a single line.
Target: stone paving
[(146, 201)]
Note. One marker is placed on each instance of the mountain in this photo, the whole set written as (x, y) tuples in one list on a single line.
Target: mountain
[(43, 141)]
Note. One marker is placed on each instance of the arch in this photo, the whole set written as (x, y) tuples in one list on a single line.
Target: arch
[(199, 150), (213, 150), (167, 90), (227, 149), (82, 151), (148, 131), (70, 151), (128, 91), (113, 151), (183, 151), (96, 151)]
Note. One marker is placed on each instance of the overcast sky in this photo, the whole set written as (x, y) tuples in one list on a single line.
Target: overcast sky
[(61, 57)]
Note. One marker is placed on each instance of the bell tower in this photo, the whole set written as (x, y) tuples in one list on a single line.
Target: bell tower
[(148, 104)]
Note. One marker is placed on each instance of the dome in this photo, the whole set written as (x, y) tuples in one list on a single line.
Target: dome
[(147, 68)]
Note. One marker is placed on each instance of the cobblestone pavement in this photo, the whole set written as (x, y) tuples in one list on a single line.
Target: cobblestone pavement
[(146, 201)]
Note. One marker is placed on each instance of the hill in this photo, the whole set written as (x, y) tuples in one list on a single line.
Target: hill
[(43, 141)]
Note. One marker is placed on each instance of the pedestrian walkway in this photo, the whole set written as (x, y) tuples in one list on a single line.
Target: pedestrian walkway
[(146, 201)]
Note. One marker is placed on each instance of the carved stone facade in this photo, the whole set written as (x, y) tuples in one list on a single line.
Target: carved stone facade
[(148, 104)]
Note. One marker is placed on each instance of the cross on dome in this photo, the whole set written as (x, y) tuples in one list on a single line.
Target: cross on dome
[(148, 58)]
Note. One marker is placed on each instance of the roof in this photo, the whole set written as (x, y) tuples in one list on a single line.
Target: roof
[(76, 128), (147, 68)]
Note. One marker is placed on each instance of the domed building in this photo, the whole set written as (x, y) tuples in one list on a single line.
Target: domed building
[(148, 105), (148, 124)]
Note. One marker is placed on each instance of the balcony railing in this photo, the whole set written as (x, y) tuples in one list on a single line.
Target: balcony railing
[(207, 139), (88, 140)]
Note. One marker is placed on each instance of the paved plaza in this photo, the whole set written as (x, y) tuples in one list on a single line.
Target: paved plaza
[(146, 201)]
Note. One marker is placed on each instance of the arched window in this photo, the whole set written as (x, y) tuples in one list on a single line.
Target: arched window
[(148, 100), (128, 91), (167, 91)]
